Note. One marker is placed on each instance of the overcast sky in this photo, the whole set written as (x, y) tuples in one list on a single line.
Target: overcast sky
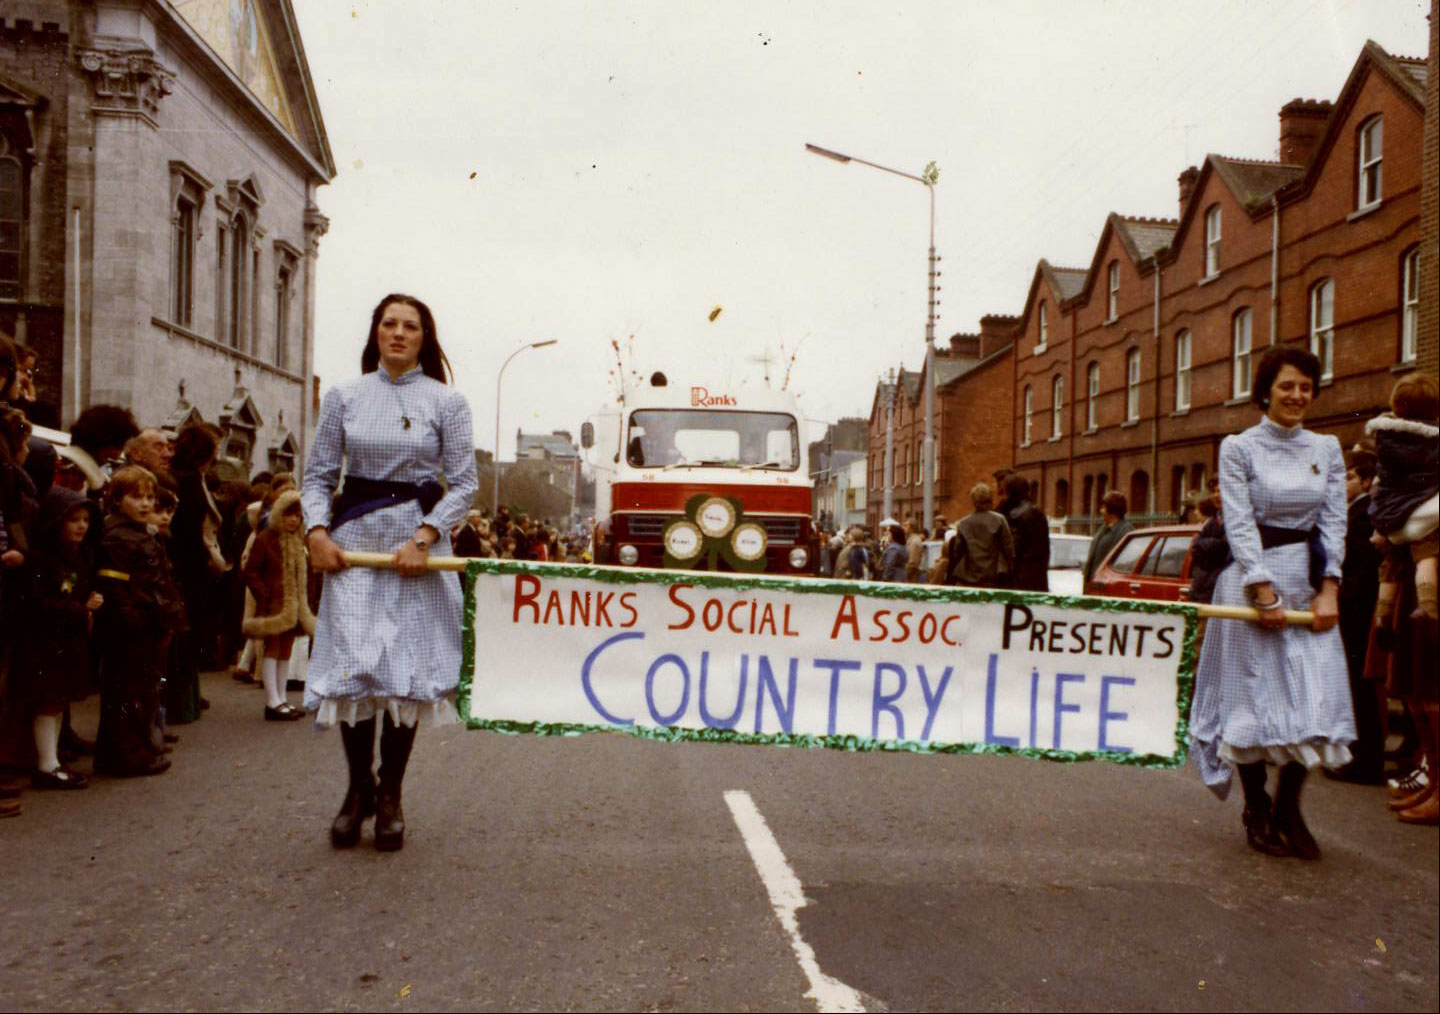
[(592, 171)]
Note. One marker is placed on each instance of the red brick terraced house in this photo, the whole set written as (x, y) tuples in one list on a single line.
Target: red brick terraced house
[(1129, 373), (973, 396)]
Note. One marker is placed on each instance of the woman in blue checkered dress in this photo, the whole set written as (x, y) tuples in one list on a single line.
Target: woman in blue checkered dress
[(1266, 693), (387, 642)]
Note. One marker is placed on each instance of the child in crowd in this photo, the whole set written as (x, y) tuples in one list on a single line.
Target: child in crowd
[(1405, 498), (143, 611), (277, 572), (51, 665), (258, 514)]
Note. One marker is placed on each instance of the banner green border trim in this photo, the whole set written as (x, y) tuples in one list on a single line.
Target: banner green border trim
[(1185, 675)]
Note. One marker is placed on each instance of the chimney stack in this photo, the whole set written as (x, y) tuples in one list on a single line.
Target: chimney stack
[(1187, 186), (1302, 122), (997, 330), (965, 346)]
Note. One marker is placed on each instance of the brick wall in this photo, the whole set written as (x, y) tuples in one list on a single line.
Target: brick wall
[(1430, 207)]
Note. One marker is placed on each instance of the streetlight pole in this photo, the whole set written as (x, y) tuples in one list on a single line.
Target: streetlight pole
[(928, 461), (495, 503)]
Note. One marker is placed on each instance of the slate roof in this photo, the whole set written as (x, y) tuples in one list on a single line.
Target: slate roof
[(1143, 236), (1068, 282), (1253, 181), (910, 380)]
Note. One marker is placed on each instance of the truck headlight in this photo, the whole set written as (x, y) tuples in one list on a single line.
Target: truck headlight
[(629, 555), (749, 541), (683, 540), (799, 557)]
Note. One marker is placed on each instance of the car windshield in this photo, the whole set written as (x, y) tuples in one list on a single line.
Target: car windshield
[(1068, 553), (667, 438)]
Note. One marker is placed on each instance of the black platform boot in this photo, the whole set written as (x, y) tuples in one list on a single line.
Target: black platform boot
[(395, 744), (1258, 830), (359, 741), (1287, 820)]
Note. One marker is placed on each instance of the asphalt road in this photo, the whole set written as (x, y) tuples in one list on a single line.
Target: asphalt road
[(604, 872)]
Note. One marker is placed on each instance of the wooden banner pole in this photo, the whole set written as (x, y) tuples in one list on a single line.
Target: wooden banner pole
[(1294, 618)]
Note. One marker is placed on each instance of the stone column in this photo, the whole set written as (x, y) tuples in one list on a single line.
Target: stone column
[(316, 225)]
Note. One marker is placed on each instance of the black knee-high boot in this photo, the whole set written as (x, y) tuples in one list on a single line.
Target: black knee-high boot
[(1287, 820), (395, 744), (359, 742), (1258, 830)]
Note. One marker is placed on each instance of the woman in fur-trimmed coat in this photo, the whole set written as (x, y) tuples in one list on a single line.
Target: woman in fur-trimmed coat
[(277, 573)]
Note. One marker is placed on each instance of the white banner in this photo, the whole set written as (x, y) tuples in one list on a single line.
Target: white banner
[(855, 665)]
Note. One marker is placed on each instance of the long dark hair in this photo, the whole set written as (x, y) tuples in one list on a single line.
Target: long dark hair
[(432, 357)]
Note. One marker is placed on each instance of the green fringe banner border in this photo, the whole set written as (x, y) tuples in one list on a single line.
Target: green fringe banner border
[(1185, 676)]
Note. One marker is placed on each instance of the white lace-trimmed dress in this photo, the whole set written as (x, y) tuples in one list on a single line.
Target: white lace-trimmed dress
[(1274, 695), (385, 642)]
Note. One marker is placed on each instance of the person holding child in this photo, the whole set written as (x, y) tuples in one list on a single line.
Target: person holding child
[(1403, 509), (277, 573), (142, 612), (51, 664), (387, 642)]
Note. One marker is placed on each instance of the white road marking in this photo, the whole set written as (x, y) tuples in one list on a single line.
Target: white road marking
[(787, 896)]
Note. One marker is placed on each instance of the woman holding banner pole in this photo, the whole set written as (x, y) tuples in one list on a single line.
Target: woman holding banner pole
[(1265, 693), (387, 642)]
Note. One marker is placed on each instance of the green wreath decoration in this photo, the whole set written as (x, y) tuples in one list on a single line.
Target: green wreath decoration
[(714, 529)]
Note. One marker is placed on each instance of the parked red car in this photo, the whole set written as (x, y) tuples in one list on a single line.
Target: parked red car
[(1149, 563)]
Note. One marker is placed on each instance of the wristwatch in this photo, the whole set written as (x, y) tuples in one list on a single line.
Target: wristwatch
[(422, 542)]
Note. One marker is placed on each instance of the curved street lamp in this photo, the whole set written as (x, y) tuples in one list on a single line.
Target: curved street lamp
[(495, 503), (928, 182)]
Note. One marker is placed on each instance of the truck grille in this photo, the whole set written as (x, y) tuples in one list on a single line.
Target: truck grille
[(779, 531)]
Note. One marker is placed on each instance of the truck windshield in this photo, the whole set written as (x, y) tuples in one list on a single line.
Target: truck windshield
[(661, 438)]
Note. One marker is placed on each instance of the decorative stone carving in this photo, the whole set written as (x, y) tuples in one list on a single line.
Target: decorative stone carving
[(127, 82), (316, 225)]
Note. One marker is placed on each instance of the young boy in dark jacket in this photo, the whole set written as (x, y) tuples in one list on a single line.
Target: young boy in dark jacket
[(143, 611), (51, 665)]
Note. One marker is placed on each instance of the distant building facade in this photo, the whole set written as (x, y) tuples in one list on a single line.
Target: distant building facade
[(159, 229)]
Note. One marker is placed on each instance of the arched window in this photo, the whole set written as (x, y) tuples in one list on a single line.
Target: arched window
[(1114, 301), (12, 221), (1057, 405), (1029, 409), (1410, 307), (1092, 396), (1372, 149), (1177, 488), (1212, 240), (918, 463), (1062, 498), (1140, 492), (1044, 330), (1322, 326), (1182, 371), (1087, 495), (1132, 385), (1240, 354), (237, 296)]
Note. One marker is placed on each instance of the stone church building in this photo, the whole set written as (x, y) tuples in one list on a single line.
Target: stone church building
[(159, 162)]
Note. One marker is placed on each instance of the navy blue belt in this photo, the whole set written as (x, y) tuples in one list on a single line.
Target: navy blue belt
[(1272, 536), (361, 496)]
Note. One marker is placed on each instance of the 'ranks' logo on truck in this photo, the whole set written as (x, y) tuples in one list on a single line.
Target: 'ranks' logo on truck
[(701, 397)]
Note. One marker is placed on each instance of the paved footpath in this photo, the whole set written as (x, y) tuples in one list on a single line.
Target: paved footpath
[(604, 872)]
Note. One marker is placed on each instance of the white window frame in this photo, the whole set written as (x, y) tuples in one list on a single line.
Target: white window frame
[(1182, 371), (1241, 347), (1322, 326), (1132, 385), (918, 465), (1372, 154), (1114, 281), (1410, 312), (1057, 405), (1029, 407), (1044, 330), (1092, 402), (1212, 241)]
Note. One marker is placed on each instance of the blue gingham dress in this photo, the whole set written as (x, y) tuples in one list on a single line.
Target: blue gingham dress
[(382, 641), (1274, 695)]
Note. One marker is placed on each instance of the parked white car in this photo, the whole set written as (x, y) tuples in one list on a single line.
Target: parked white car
[(1067, 563)]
